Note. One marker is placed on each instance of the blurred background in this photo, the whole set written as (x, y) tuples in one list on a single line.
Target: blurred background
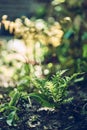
[(48, 35), (29, 8)]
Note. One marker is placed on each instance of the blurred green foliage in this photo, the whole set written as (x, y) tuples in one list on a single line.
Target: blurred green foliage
[(58, 41), (72, 15)]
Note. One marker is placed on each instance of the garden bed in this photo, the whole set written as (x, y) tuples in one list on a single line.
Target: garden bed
[(71, 116)]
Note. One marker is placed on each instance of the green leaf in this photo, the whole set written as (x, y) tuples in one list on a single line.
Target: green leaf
[(27, 68), (79, 79), (14, 98), (11, 118), (85, 50), (63, 71), (41, 99), (3, 107)]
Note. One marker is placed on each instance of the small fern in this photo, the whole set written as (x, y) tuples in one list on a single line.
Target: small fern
[(54, 91)]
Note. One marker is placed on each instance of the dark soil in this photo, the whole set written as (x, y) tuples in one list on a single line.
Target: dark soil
[(71, 116)]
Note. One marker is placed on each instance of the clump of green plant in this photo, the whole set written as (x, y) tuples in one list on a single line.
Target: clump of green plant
[(9, 109), (49, 93), (54, 92)]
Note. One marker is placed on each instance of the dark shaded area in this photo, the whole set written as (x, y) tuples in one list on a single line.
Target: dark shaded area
[(15, 9)]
